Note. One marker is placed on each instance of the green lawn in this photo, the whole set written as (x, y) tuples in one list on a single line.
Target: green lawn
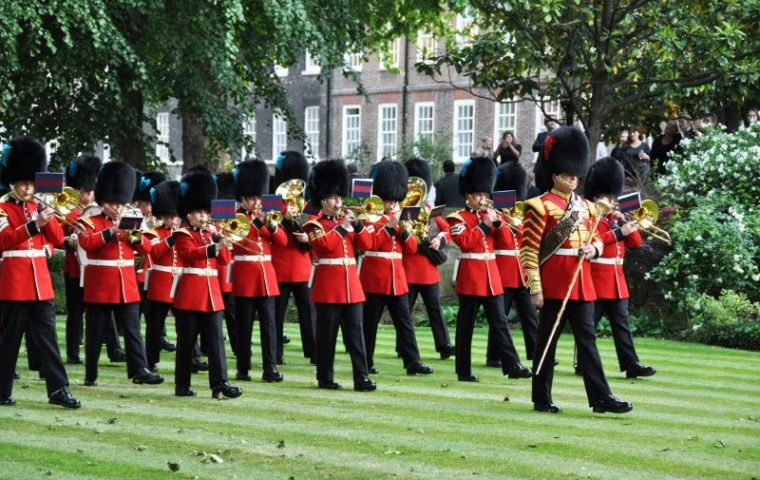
[(699, 418)]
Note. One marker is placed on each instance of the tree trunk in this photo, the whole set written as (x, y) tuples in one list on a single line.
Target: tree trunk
[(128, 142), (732, 116), (193, 139)]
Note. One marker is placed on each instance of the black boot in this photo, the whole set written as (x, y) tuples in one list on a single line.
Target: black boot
[(227, 389), (612, 404), (364, 384), (64, 398), (271, 374), (145, 376)]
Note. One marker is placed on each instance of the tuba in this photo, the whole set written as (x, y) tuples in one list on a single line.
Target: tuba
[(646, 217), (415, 197), (292, 194)]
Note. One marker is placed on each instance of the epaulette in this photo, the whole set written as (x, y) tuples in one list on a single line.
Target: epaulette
[(2, 213), (182, 230), (536, 204), (150, 232), (313, 223), (6, 197), (86, 221), (592, 209), (455, 216)]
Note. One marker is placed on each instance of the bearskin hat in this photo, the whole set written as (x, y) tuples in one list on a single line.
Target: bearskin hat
[(145, 182), (82, 172), (251, 178), (566, 150), (164, 197), (22, 157), (512, 176), (196, 190), (416, 167), (478, 174), (605, 177), (290, 165), (225, 183), (390, 181), (115, 183), (328, 177)]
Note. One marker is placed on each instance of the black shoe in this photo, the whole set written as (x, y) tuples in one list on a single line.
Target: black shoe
[(364, 385), (271, 374), (118, 357), (90, 383), (493, 363), (418, 368), (153, 368), (168, 346), (285, 339), (227, 389), (16, 376), (612, 404), (546, 407), (639, 370), (556, 362), (372, 371), (64, 398), (280, 361), (447, 352), (199, 366), (41, 375), (183, 392), (519, 371), (145, 376), (578, 371), (468, 378), (329, 385), (242, 376), (74, 360), (7, 402), (313, 361)]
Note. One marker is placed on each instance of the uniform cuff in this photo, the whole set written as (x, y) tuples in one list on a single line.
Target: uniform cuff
[(484, 228), (211, 251), (107, 235), (258, 223), (405, 235), (389, 230), (358, 227), (534, 281), (32, 229), (341, 230), (170, 242), (619, 234)]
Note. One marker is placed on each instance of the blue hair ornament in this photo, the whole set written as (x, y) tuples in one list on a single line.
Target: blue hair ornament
[(278, 163), (183, 188), (235, 173), (6, 153), (73, 168), (465, 166), (144, 183), (153, 195)]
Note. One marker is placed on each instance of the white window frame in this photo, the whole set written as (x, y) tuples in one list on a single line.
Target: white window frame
[(456, 145), (392, 135), (311, 130), (281, 71), (344, 132), (423, 38), (417, 130), (163, 131), (392, 56), (354, 61), (279, 128), (463, 22), (249, 130), (310, 66), (499, 129), (555, 111)]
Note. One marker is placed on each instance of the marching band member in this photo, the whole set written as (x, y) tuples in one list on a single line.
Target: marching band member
[(27, 299), (198, 298), (558, 237), (292, 262), (110, 285), (225, 183), (512, 176), (604, 181), (335, 235), (165, 266), (382, 273), (421, 274), (254, 282), (477, 277)]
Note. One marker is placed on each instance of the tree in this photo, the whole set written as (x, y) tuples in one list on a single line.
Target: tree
[(607, 60)]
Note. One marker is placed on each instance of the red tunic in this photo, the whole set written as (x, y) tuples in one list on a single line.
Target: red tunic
[(198, 288), (292, 262), (607, 270), (252, 273), (554, 275), (507, 245), (382, 269), (109, 273), (164, 265), (24, 275), (478, 273), (225, 276), (419, 270), (335, 278)]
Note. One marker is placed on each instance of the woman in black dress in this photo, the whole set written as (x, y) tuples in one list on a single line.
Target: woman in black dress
[(509, 150)]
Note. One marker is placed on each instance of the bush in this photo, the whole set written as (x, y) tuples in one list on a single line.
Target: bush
[(731, 320)]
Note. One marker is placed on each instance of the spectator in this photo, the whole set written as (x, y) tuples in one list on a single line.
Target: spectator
[(353, 170), (636, 155), (663, 145), (709, 122), (752, 117), (617, 152), (686, 127), (509, 150), (447, 188), (542, 182), (601, 150), (486, 148)]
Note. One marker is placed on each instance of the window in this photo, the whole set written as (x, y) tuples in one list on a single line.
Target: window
[(249, 132), (553, 109), (351, 129), (279, 135), (464, 129), (310, 66), (280, 71), (423, 120), (427, 46), (505, 118), (386, 130), (311, 129), (106, 156), (354, 62), (391, 58), (162, 137)]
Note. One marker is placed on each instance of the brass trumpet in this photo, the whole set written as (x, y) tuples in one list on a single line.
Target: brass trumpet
[(273, 217)]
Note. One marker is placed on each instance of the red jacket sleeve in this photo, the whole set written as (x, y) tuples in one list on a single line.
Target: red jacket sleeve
[(363, 239), (633, 240), (279, 238), (467, 239), (53, 233), (187, 251), (161, 247), (92, 240)]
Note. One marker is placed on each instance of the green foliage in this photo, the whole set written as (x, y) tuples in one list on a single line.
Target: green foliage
[(436, 150), (731, 320)]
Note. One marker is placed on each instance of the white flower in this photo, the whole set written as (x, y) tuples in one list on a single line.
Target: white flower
[(699, 237), (738, 269), (756, 277)]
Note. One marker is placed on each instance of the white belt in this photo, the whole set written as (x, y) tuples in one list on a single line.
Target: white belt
[(253, 258), (567, 252), (166, 269), (507, 253), (203, 272), (24, 254), (110, 263), (608, 261), (337, 261), (387, 255), (478, 256)]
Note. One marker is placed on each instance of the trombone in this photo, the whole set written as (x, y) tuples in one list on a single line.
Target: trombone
[(646, 217), (237, 228), (62, 204), (370, 209)]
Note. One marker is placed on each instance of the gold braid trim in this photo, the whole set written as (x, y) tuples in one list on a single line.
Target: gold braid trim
[(533, 229)]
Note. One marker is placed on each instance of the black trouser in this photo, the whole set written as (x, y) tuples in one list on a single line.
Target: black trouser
[(497, 320), (301, 294), (209, 325), (229, 319), (127, 317), (245, 309), (580, 316), (155, 326), (431, 297), (528, 319), (617, 313), (398, 307), (74, 315), (37, 320), (349, 317)]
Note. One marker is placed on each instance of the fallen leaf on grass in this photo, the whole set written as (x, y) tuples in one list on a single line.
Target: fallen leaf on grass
[(112, 420), (444, 385), (506, 398), (693, 438), (141, 448), (173, 466), (720, 444), (666, 449), (213, 458), (392, 452), (532, 445), (281, 444)]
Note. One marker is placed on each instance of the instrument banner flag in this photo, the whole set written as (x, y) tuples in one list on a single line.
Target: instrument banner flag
[(410, 213), (48, 182), (271, 203), (504, 199), (131, 223), (361, 188), (436, 211), (223, 209), (310, 209), (629, 202)]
